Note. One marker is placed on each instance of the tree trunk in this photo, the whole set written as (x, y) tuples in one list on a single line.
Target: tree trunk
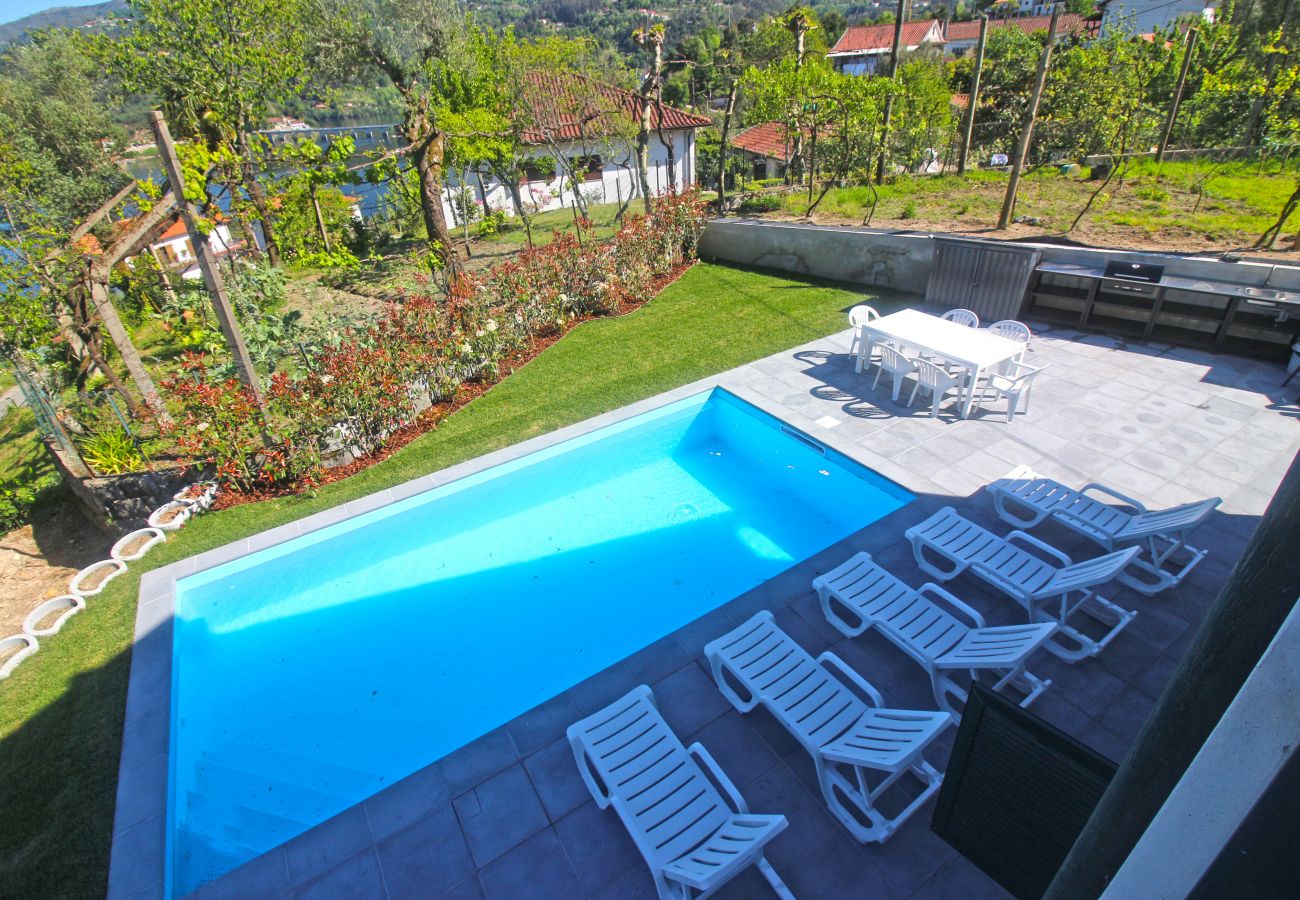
[(429, 157), (320, 220), (257, 196), (483, 194), (643, 155)]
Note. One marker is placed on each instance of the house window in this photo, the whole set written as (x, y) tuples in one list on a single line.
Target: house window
[(588, 168), (534, 172)]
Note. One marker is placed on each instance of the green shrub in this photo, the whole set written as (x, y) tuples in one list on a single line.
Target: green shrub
[(759, 203), (909, 210), (17, 502), (1153, 193), (111, 452), (492, 225)]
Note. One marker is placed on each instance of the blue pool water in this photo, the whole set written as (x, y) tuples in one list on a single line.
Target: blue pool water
[(313, 674)]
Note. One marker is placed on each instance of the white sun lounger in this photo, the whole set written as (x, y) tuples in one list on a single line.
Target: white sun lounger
[(839, 729), (1024, 499), (1049, 592), (860, 595), (693, 839)]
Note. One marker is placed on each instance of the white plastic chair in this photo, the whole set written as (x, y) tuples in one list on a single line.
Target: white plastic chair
[(924, 623), (1012, 331), (962, 317), (897, 364), (1050, 590), (1016, 381), (1024, 498), (859, 316), (937, 381), (693, 838), (836, 716)]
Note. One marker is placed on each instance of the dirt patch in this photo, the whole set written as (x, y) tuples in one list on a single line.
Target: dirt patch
[(38, 560)]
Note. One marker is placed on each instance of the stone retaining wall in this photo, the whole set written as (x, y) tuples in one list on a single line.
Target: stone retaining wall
[(120, 503), (902, 260)]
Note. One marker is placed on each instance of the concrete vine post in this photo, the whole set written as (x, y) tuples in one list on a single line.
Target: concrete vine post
[(1031, 114), (212, 279), (895, 49), (974, 97), (1188, 49)]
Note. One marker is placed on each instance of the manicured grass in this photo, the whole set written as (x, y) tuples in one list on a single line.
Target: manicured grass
[(61, 712)]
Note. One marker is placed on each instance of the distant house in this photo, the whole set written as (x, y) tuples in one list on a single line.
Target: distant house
[(591, 126), (961, 37), (1145, 16), (862, 48), (765, 149), (175, 252)]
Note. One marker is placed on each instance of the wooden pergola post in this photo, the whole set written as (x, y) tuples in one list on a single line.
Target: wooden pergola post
[(212, 279)]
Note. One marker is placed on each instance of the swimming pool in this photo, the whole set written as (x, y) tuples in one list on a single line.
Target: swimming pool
[(310, 675)]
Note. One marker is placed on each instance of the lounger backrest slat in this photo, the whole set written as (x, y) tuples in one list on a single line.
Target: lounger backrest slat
[(1089, 573), (772, 667), (1164, 521), (657, 787)]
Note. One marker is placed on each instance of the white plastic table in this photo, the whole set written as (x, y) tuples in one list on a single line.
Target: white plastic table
[(976, 349)]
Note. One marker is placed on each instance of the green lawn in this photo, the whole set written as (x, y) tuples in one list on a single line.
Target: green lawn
[(1227, 202), (61, 712)]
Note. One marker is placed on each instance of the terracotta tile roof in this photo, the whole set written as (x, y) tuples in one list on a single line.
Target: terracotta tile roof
[(569, 104), (1069, 23), (960, 101), (175, 230), (880, 38), (767, 139)]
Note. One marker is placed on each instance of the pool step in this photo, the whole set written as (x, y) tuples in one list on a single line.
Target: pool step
[(290, 767), (261, 793)]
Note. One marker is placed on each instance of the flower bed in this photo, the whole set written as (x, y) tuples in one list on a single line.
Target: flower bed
[(386, 384)]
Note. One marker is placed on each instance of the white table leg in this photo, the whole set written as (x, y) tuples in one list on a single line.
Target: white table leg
[(864, 349), (969, 399)]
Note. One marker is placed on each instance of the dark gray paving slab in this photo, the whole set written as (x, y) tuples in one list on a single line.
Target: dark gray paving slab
[(509, 816)]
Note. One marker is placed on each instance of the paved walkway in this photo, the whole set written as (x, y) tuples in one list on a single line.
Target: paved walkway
[(508, 817)]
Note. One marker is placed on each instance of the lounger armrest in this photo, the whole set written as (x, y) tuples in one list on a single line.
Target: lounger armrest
[(719, 777), (1031, 541), (1103, 489), (830, 662), (930, 589)]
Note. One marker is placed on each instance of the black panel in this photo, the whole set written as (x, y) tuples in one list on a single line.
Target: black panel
[(1017, 793)]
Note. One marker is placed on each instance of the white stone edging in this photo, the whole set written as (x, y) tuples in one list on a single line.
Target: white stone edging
[(71, 604), (183, 509), (74, 587), (29, 644), (74, 601), (155, 535)]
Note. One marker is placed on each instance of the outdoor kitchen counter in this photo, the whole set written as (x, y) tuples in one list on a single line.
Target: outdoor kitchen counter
[(1248, 292), (1225, 316)]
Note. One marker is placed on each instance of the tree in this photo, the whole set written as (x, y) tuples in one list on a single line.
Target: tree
[(57, 183), (219, 66), (424, 48)]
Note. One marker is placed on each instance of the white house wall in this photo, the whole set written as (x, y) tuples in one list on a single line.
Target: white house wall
[(618, 177)]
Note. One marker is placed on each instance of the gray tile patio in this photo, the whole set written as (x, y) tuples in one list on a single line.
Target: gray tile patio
[(508, 816)]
